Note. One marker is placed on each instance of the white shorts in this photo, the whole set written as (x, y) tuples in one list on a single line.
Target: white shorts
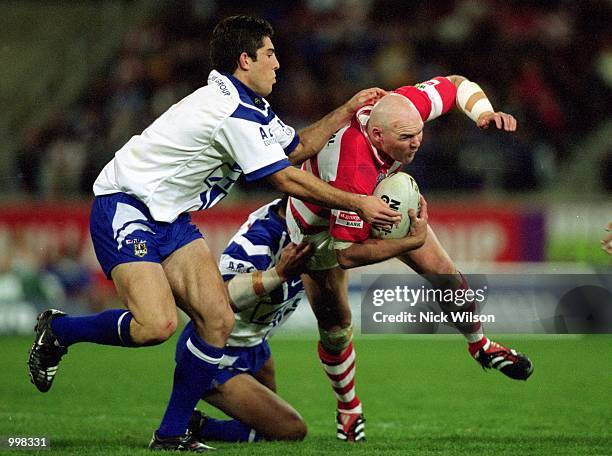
[(324, 257)]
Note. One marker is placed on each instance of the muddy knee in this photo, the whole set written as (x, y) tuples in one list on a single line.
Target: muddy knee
[(336, 339)]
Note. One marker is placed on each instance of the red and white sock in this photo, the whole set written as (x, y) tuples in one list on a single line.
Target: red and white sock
[(340, 369), (473, 332), (474, 347), (475, 337)]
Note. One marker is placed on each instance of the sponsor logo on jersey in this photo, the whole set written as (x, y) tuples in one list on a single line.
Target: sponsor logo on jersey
[(286, 130), (240, 267), (221, 84), (135, 241), (349, 219), (140, 248), (424, 85), (267, 137)]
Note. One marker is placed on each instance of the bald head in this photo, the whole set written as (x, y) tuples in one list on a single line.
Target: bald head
[(391, 109), (395, 127)]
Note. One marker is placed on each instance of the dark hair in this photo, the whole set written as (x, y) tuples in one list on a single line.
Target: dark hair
[(235, 35)]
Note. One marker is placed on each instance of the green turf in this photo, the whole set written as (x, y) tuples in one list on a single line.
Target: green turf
[(576, 249), (422, 395)]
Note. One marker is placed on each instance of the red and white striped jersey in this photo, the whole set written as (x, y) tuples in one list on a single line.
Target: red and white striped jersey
[(351, 163)]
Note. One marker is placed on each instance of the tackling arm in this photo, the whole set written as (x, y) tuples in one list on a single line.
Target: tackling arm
[(309, 188), (245, 289), (472, 100), (314, 137)]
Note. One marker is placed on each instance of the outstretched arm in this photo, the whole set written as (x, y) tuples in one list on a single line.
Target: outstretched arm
[(314, 137), (472, 100)]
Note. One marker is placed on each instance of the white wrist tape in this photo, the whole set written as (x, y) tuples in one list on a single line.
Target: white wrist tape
[(472, 100), (245, 289)]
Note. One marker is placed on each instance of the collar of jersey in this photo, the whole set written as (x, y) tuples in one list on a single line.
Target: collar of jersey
[(246, 94), (276, 219), (361, 116)]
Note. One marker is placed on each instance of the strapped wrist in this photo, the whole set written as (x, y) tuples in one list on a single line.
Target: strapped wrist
[(245, 289), (472, 100), (265, 282)]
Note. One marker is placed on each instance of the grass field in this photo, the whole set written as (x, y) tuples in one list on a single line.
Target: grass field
[(421, 394)]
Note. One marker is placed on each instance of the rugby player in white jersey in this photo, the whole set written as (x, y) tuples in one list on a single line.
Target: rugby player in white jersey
[(377, 142), (187, 160)]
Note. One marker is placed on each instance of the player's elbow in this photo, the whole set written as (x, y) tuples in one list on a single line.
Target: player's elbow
[(282, 179), (345, 260), (298, 155), (456, 79)]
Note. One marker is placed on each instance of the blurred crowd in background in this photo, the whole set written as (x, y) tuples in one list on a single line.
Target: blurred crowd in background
[(547, 63)]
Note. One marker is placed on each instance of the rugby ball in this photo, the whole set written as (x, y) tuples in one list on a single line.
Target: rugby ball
[(401, 192)]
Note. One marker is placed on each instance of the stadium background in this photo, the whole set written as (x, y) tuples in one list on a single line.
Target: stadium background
[(78, 79)]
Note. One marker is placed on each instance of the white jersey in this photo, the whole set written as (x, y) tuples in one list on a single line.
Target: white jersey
[(189, 158), (257, 247)]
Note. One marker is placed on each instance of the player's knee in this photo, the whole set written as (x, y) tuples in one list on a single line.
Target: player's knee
[(442, 273), (299, 430), (442, 266), (219, 323), (336, 339), (225, 323), (160, 331), (344, 260), (228, 322), (294, 428)]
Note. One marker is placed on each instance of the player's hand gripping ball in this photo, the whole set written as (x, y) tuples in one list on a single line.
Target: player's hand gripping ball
[(401, 192)]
